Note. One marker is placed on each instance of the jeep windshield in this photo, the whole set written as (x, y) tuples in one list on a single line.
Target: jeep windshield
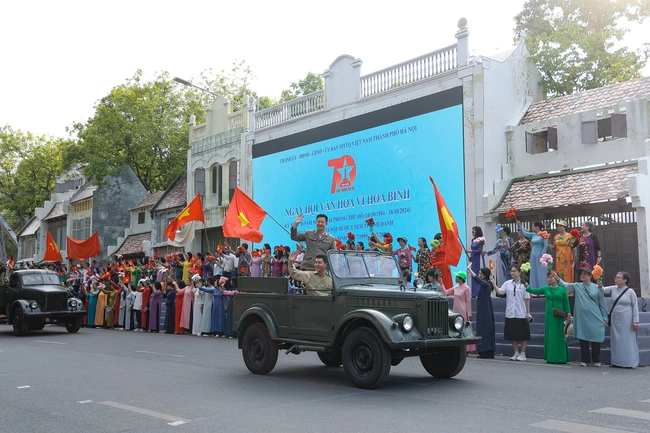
[(369, 266), (41, 279)]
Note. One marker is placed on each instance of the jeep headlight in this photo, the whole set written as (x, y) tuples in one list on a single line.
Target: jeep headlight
[(407, 323), (72, 303), (459, 322), (33, 305)]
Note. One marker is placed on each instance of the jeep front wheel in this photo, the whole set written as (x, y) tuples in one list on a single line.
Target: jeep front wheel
[(259, 351), (74, 325), (446, 362), (331, 358), (19, 322), (366, 358)]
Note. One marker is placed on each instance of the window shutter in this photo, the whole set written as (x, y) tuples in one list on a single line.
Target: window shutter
[(199, 181), (589, 132), (552, 138), (529, 142), (619, 125), (604, 128)]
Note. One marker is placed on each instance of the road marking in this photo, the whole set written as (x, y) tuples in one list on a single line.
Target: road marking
[(84, 401), (642, 401), (158, 353), (23, 387), (574, 427), (176, 423), (49, 342), (623, 412), (142, 411)]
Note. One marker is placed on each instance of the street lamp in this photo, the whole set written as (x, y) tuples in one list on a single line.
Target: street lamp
[(187, 83)]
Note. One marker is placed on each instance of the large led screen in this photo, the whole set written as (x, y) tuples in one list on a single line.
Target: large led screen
[(376, 165)]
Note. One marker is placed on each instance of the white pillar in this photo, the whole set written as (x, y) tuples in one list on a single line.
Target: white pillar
[(640, 195), (463, 42)]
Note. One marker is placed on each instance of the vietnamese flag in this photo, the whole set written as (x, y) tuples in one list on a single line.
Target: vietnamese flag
[(193, 212), (52, 253), (83, 249), (244, 218), (449, 229)]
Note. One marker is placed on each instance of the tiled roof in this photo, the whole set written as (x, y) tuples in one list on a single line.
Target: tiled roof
[(56, 212), (30, 228), (568, 189), (133, 244), (149, 200), (175, 197), (84, 193), (603, 97)]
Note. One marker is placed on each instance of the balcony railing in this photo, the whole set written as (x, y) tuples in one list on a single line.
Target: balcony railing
[(236, 120), (290, 110), (420, 68)]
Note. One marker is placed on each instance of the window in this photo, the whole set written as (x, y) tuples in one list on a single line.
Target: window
[(58, 232), (29, 247), (217, 182), (164, 223), (233, 178), (81, 229), (199, 181), (543, 141), (609, 128), (141, 217)]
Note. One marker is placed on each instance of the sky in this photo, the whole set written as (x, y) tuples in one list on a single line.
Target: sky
[(58, 58)]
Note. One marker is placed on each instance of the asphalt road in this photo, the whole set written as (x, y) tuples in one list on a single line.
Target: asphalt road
[(112, 381)]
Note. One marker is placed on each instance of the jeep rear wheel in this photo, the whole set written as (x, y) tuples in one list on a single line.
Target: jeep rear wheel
[(446, 362), (366, 358), (19, 322), (259, 351), (331, 358), (74, 325)]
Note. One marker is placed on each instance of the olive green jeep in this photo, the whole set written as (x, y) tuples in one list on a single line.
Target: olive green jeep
[(370, 322)]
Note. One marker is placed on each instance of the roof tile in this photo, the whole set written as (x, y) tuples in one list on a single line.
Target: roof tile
[(176, 197), (602, 97), (133, 244)]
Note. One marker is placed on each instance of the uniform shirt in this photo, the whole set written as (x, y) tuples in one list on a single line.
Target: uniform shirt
[(228, 262), (316, 244), (515, 295), (137, 303), (315, 284)]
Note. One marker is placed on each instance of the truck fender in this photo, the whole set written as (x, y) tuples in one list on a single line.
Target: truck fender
[(382, 323), (23, 304), (257, 312)]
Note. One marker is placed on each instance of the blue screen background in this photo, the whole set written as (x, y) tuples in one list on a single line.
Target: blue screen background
[(392, 165)]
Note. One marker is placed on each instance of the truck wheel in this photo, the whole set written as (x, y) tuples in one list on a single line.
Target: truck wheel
[(366, 358), (331, 358), (19, 322), (446, 362), (259, 351), (37, 326), (74, 325)]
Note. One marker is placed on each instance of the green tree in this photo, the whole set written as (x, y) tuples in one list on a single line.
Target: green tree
[(29, 168), (310, 84), (576, 44), (144, 124)]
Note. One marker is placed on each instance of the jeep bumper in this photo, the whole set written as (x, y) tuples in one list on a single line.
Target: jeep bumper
[(54, 314), (431, 344)]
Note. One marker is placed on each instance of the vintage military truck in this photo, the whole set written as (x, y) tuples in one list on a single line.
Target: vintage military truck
[(370, 322), (34, 297)]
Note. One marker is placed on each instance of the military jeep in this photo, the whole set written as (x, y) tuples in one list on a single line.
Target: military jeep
[(35, 297), (369, 323)]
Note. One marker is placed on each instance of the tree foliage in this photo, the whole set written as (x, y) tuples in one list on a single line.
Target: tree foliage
[(28, 172), (576, 44), (310, 84)]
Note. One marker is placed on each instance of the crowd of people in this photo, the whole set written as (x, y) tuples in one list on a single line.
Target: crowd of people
[(196, 290)]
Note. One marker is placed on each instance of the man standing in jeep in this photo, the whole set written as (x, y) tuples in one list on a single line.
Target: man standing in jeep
[(318, 241)]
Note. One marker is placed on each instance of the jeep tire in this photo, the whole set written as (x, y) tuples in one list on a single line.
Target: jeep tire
[(445, 362), (259, 351), (74, 325), (19, 321), (331, 358), (366, 358)]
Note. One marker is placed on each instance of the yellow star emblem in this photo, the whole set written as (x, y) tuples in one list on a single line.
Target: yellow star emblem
[(242, 219), (446, 216), (184, 214)]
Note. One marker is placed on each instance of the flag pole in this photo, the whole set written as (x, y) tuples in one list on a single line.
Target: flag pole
[(278, 223)]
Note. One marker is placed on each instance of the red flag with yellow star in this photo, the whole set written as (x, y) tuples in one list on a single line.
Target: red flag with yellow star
[(193, 212), (52, 253), (244, 218), (449, 230)]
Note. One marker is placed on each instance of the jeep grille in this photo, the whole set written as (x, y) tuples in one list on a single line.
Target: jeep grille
[(437, 318), (56, 302)]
